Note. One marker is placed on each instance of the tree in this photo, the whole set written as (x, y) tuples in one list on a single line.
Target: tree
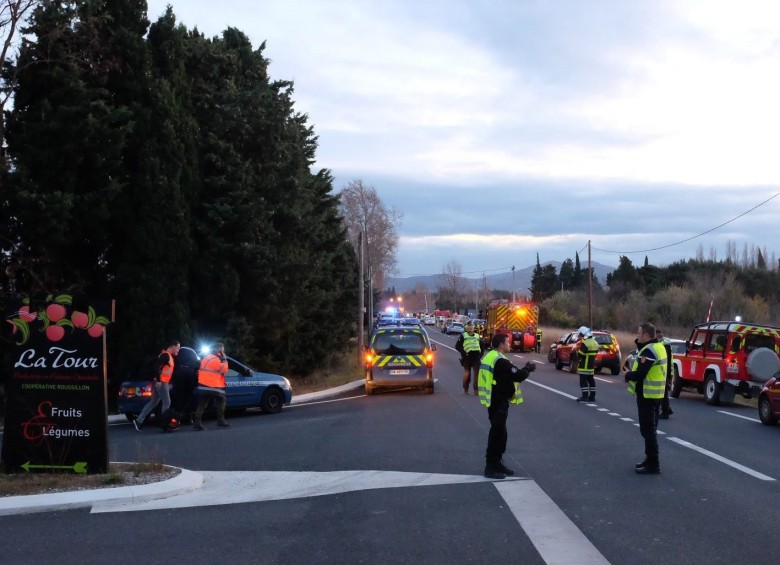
[(364, 211), (544, 281), (566, 274), (452, 285)]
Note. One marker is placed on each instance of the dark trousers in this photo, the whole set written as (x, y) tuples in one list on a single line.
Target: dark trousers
[(588, 385), (496, 446), (647, 411), (665, 408), (471, 371)]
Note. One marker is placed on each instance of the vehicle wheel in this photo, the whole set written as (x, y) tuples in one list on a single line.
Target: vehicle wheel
[(765, 411), (677, 384), (615, 370), (558, 364), (712, 391), (272, 401), (369, 390), (429, 389)]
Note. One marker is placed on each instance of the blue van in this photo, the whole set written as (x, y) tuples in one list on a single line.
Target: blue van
[(399, 357)]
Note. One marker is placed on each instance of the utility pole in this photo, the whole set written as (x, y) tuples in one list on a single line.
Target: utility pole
[(513, 284), (590, 290), (361, 301)]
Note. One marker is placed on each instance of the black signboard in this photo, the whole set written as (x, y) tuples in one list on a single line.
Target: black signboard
[(56, 394)]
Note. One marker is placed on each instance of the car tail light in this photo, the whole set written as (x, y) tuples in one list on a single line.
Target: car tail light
[(369, 358), (429, 358)]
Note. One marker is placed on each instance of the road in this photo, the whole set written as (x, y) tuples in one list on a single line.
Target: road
[(396, 478)]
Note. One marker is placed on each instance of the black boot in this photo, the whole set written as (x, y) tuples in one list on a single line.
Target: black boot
[(492, 471), (649, 467), (504, 469)]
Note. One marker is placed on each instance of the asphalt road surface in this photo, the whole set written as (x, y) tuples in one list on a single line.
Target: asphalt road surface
[(397, 478)]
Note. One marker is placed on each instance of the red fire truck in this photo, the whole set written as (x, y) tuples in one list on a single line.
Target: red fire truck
[(518, 320)]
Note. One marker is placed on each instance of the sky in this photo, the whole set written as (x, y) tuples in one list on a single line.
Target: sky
[(503, 129)]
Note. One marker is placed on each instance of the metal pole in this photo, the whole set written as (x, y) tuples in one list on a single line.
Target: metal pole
[(590, 290), (361, 301)]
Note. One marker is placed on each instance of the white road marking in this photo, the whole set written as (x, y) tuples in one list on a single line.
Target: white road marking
[(677, 440), (756, 420), (717, 457), (554, 536), (603, 380), (614, 414)]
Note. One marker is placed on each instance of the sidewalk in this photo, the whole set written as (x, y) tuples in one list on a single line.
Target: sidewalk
[(186, 481)]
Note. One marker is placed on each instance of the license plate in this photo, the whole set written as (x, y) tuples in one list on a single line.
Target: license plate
[(399, 371)]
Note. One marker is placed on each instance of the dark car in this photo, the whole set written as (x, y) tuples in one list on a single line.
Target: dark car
[(245, 387), (399, 358), (769, 401)]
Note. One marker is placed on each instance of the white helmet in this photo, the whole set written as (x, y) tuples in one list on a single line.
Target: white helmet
[(584, 331)]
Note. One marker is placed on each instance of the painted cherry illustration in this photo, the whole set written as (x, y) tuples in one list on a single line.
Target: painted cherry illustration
[(55, 333), (95, 330), (80, 320), (55, 312), (26, 315)]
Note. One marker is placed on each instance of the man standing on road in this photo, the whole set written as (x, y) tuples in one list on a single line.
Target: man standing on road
[(161, 389), (211, 384), (586, 364), (499, 382), (469, 346), (666, 410), (646, 380)]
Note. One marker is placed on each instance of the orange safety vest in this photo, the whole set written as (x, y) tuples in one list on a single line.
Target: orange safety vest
[(212, 371), (167, 370)]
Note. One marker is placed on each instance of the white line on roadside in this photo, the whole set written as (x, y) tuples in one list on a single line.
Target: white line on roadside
[(553, 534), (674, 439), (717, 457), (748, 418)]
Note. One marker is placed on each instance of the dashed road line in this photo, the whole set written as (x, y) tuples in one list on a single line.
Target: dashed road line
[(748, 418)]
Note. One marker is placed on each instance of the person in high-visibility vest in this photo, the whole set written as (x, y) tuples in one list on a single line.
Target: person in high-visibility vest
[(469, 345), (211, 384), (647, 380), (586, 364), (161, 390), (499, 382)]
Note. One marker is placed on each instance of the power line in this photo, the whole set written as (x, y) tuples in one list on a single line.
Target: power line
[(692, 237), (464, 273)]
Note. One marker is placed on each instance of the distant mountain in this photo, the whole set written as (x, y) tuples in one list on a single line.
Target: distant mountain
[(520, 281)]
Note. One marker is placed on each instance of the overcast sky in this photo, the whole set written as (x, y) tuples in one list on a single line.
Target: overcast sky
[(506, 128)]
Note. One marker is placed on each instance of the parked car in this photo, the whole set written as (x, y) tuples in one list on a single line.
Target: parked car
[(607, 357), (411, 322), (429, 320), (399, 358), (455, 328), (677, 345), (769, 401), (245, 388)]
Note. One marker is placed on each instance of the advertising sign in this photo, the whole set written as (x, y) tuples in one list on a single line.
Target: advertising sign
[(56, 395)]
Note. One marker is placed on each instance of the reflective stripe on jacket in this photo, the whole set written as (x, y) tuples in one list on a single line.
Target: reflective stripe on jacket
[(587, 364), (471, 342), (212, 371), (655, 381), (167, 370), (485, 380)]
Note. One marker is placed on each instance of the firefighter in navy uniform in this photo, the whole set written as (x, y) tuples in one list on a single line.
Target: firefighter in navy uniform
[(469, 345), (647, 380), (586, 364), (499, 386)]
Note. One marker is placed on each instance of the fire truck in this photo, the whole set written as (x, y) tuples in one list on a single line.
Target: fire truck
[(518, 320)]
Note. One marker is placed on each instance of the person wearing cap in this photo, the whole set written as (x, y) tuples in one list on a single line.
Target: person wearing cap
[(469, 345), (665, 409), (586, 364), (499, 386), (647, 380)]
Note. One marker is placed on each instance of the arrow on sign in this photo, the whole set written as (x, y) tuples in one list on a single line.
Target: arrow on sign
[(78, 467)]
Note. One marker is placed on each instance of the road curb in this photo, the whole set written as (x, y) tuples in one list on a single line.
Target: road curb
[(185, 481), (325, 394)]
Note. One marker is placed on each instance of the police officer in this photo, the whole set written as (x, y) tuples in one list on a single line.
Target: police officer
[(586, 364), (499, 386), (647, 380), (469, 346)]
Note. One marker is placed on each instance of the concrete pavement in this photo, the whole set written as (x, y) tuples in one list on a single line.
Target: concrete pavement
[(184, 482)]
